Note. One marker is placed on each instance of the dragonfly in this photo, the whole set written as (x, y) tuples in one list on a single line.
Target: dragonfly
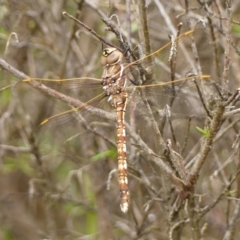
[(173, 79)]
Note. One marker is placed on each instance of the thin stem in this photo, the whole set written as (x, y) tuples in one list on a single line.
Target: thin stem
[(227, 47), (90, 30)]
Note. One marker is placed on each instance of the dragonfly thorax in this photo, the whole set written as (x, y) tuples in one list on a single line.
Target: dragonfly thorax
[(113, 80)]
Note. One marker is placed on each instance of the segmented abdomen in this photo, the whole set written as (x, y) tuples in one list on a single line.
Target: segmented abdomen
[(120, 102)]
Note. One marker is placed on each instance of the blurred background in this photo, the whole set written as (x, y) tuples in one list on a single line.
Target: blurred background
[(55, 189)]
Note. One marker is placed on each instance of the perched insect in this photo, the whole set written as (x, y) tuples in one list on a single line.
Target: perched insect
[(172, 81)]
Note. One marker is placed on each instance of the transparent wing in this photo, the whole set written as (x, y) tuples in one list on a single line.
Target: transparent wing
[(65, 120), (170, 62), (171, 107)]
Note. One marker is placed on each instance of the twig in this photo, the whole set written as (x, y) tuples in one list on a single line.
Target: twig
[(90, 30), (12, 35), (186, 136), (231, 113), (150, 155), (160, 141), (72, 35), (207, 144), (176, 226), (210, 206), (166, 17), (96, 8), (15, 149), (143, 27), (128, 13), (220, 134), (194, 222), (51, 92), (215, 49), (143, 33), (177, 162), (227, 49), (116, 31), (12, 70)]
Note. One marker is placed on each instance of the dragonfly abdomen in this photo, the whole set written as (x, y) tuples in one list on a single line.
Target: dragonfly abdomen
[(119, 103)]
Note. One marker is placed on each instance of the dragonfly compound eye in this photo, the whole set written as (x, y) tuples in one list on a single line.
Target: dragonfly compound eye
[(108, 51), (111, 56)]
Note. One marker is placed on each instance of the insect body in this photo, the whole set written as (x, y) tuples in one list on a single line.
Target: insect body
[(114, 83)]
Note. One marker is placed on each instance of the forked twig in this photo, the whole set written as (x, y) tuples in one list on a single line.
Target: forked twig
[(90, 30), (206, 146)]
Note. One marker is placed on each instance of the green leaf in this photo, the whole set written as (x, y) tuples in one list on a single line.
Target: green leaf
[(69, 207), (5, 95), (91, 220), (8, 235), (205, 132), (232, 192), (134, 27), (236, 29), (19, 164), (111, 153)]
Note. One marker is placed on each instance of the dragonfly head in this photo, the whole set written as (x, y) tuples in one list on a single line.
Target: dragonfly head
[(111, 56)]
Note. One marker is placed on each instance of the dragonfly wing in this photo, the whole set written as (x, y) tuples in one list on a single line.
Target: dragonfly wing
[(81, 88), (182, 92), (170, 107), (53, 117), (172, 61)]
